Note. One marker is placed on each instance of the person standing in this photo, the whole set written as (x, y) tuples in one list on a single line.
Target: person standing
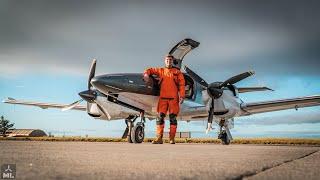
[(172, 94)]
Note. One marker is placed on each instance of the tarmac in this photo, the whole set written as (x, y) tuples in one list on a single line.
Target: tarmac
[(101, 160)]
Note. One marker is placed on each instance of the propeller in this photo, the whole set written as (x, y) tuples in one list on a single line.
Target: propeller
[(210, 117), (196, 77), (237, 78), (215, 89), (88, 95)]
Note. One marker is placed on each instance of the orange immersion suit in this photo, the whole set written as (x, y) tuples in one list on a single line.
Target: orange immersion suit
[(172, 87)]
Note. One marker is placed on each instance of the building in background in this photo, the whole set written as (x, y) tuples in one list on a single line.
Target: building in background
[(178, 134), (25, 133)]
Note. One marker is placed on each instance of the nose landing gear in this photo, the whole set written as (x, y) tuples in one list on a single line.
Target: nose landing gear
[(134, 133), (224, 134)]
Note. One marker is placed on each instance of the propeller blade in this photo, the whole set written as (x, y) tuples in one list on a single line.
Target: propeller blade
[(92, 72), (72, 105), (196, 77), (210, 117), (237, 78)]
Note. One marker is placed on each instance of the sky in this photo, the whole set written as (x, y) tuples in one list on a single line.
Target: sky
[(46, 49)]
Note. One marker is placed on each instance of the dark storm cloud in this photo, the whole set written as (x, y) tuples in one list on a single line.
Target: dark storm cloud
[(275, 37)]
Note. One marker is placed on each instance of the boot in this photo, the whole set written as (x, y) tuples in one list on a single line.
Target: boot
[(159, 140), (172, 133)]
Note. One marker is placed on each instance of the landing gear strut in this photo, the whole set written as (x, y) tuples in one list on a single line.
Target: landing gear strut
[(134, 133), (224, 134), (129, 122)]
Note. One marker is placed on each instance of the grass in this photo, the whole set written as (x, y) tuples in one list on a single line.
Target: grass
[(283, 141)]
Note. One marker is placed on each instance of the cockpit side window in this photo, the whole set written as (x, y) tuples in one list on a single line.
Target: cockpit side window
[(189, 87)]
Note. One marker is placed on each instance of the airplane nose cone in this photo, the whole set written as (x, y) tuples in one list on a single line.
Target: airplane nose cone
[(88, 95)]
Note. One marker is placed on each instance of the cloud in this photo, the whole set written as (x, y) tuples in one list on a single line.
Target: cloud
[(60, 36)]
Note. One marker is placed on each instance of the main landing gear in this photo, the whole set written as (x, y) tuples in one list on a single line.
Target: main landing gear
[(134, 133)]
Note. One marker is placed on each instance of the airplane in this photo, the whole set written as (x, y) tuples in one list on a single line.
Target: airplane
[(125, 96)]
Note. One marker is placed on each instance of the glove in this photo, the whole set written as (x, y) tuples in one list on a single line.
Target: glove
[(146, 78)]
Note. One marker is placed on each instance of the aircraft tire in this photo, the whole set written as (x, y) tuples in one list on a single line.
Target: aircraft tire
[(224, 138), (137, 133)]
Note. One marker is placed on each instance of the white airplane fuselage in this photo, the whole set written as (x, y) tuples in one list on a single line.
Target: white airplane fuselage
[(189, 109)]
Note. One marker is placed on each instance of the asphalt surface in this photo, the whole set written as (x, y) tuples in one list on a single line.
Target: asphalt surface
[(94, 160)]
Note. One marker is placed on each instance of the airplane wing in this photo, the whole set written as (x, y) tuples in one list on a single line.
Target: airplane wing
[(43, 105), (277, 105)]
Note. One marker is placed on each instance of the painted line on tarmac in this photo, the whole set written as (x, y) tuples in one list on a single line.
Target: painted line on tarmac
[(250, 174)]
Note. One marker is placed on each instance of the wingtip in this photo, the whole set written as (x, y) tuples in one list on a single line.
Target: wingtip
[(269, 89), (8, 99)]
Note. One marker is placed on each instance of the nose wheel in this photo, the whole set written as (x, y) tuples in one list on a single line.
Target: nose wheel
[(224, 138), (137, 133), (134, 133)]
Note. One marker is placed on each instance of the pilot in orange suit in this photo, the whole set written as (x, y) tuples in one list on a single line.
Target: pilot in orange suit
[(172, 94)]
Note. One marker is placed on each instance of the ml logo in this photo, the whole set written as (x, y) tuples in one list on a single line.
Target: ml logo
[(8, 171)]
